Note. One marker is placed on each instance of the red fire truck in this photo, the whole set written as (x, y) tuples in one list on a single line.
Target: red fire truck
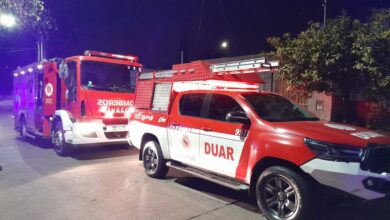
[(77, 101), (214, 122)]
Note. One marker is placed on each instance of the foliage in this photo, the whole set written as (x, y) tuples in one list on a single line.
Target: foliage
[(31, 15), (346, 57), (372, 47)]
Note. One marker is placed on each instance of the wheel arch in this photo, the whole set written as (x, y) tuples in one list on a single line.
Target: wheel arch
[(66, 119), (273, 161), (145, 138), (55, 120)]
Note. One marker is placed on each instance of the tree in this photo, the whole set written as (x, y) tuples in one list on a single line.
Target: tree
[(372, 48), (31, 15), (345, 58)]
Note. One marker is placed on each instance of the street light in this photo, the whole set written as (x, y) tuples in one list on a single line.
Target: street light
[(224, 44), (7, 20)]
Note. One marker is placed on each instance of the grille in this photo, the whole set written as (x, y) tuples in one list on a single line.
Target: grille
[(116, 135), (376, 158)]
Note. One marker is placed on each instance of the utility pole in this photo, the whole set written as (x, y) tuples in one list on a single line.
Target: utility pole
[(40, 45), (324, 5), (40, 49)]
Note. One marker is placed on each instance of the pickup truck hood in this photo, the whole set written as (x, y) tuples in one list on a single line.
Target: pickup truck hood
[(333, 132)]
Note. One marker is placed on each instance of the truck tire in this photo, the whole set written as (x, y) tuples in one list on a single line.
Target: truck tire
[(23, 129), (58, 139), (153, 160), (283, 194)]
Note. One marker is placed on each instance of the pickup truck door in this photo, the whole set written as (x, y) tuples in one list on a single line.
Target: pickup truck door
[(221, 141), (183, 128)]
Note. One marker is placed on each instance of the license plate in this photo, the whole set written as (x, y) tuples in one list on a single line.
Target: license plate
[(117, 128)]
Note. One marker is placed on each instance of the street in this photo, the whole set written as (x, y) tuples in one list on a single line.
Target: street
[(109, 183)]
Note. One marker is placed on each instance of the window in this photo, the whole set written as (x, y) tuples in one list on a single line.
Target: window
[(271, 107), (71, 81), (191, 104), (221, 105), (39, 87), (108, 76)]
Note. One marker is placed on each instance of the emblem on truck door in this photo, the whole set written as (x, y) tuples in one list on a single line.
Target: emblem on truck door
[(49, 89), (185, 142)]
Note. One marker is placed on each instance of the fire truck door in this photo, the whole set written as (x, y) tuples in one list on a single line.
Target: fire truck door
[(221, 141), (183, 129), (30, 102), (34, 109)]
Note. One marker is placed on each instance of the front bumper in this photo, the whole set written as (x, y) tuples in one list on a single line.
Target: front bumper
[(91, 134), (349, 177)]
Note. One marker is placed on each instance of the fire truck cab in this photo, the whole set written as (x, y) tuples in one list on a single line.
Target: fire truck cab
[(214, 122), (77, 101)]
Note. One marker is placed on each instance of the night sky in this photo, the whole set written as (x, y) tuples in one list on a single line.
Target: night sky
[(157, 30)]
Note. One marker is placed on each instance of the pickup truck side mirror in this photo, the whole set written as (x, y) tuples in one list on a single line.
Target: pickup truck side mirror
[(237, 116)]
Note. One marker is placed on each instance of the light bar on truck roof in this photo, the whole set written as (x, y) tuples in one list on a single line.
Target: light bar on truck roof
[(164, 74), (158, 74), (110, 55), (215, 85), (29, 69), (143, 76)]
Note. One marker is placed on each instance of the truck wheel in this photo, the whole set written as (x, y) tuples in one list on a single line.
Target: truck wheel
[(58, 140), (283, 194), (153, 160), (23, 129)]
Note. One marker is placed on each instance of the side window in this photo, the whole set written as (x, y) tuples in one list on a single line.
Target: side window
[(39, 89), (191, 104), (71, 81), (221, 105)]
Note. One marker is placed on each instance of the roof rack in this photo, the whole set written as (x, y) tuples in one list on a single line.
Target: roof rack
[(244, 65)]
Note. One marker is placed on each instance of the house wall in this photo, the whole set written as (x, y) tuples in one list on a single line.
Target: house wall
[(320, 104)]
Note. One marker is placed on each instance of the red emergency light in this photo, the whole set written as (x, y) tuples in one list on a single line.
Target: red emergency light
[(111, 55)]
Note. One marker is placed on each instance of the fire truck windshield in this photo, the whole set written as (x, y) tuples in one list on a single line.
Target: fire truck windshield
[(275, 108), (108, 76)]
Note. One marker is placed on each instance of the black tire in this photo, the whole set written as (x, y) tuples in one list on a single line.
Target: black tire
[(153, 160), (283, 194), (23, 130), (58, 140)]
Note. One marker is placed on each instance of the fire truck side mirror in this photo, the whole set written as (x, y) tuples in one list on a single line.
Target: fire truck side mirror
[(237, 116), (63, 70)]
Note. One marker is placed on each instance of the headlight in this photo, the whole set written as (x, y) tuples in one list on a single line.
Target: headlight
[(335, 152)]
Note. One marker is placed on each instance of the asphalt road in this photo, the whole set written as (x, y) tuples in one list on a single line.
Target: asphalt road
[(109, 183)]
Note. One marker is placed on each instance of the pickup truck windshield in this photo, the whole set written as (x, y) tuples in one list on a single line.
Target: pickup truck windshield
[(275, 108), (108, 76)]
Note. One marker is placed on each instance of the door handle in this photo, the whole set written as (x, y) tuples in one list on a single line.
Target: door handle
[(207, 129), (175, 124)]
